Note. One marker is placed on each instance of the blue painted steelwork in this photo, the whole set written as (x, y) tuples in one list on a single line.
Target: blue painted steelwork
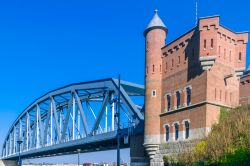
[(72, 118)]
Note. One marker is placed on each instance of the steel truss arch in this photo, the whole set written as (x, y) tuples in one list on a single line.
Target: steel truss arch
[(75, 115)]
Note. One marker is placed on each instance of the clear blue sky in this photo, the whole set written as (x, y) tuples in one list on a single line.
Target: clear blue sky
[(46, 44)]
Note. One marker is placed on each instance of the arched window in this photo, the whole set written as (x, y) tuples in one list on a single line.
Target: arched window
[(169, 102), (188, 95), (178, 98), (153, 68), (176, 126), (186, 129), (167, 132)]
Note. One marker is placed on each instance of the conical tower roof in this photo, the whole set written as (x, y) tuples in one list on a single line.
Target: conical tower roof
[(155, 23)]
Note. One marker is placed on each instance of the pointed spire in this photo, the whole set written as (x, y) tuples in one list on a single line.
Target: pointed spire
[(156, 22)]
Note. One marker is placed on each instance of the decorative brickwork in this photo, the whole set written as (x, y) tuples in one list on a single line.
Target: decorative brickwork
[(245, 88), (191, 79)]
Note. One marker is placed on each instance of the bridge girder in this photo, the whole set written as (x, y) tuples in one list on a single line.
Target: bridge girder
[(62, 119)]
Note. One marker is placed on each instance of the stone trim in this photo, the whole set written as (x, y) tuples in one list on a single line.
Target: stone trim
[(193, 106), (185, 120), (165, 96), (175, 122), (167, 124)]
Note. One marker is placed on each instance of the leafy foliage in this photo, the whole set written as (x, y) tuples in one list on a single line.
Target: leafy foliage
[(227, 144)]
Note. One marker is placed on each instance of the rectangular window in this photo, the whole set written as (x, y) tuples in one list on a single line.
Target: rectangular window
[(212, 43), (169, 102), (167, 132), (179, 59), (240, 56), (166, 66), (176, 131), (205, 44), (188, 90), (186, 129), (172, 62), (178, 97), (153, 93), (219, 50)]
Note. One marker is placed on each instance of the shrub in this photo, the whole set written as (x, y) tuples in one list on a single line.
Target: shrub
[(227, 144)]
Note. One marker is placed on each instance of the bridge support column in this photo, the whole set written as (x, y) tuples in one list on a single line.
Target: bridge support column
[(8, 163), (137, 152)]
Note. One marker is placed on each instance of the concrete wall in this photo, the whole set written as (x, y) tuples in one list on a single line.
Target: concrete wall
[(8, 163)]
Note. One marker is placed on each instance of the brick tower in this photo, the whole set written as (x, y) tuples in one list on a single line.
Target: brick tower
[(155, 35)]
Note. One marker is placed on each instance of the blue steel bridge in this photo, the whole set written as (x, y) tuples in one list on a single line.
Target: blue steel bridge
[(78, 117)]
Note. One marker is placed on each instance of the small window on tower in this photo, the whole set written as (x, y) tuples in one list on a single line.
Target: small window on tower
[(172, 62), (153, 93), (205, 44), (160, 68), (212, 43), (240, 56), (179, 59), (153, 68), (166, 66), (219, 50)]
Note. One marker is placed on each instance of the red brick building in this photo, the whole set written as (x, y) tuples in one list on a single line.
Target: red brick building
[(245, 88), (189, 79)]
